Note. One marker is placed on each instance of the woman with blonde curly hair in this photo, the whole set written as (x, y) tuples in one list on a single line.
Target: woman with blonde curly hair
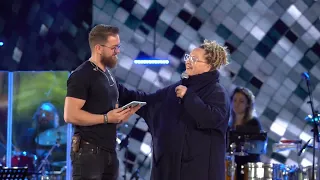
[(188, 120)]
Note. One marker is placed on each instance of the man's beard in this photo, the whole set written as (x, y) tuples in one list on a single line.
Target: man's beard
[(110, 61)]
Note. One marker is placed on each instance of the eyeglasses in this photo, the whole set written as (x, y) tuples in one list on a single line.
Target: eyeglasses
[(118, 47), (192, 59)]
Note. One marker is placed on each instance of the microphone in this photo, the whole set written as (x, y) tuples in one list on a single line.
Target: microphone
[(184, 77), (306, 76), (303, 147)]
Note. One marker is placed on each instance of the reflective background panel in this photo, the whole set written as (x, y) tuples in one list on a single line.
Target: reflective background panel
[(3, 114), (38, 124)]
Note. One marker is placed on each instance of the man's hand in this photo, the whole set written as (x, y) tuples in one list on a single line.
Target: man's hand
[(181, 91), (132, 111), (119, 115)]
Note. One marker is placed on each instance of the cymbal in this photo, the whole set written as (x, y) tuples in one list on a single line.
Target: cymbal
[(237, 154), (291, 141), (279, 147), (50, 137)]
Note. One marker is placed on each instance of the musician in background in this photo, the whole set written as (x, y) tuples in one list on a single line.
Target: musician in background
[(242, 115), (46, 117)]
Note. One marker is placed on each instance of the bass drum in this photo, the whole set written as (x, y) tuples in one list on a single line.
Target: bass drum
[(230, 168), (263, 171), (23, 159)]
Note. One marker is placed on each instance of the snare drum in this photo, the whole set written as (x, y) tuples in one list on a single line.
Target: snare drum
[(263, 171), (24, 159), (230, 168)]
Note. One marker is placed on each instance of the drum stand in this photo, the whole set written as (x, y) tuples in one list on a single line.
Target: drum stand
[(231, 170), (315, 130), (124, 144), (318, 167), (136, 174), (45, 162)]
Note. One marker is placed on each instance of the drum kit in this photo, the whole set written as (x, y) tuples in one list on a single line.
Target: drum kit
[(245, 143), (42, 168)]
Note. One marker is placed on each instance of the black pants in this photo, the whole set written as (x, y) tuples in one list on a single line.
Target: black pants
[(93, 163)]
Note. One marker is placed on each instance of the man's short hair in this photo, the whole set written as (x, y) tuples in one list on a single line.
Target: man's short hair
[(100, 33)]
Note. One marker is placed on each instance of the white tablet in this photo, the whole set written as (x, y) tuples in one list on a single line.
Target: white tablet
[(133, 104)]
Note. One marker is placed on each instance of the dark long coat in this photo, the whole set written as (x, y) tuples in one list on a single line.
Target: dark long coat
[(189, 134)]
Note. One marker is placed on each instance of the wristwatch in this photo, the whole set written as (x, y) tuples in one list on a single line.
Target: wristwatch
[(105, 119)]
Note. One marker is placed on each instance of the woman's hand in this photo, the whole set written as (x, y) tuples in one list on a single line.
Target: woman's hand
[(181, 91)]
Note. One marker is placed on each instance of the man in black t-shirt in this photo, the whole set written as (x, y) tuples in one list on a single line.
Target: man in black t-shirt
[(91, 105)]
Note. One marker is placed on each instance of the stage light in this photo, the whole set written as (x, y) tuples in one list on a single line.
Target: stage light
[(151, 61), (145, 149), (311, 119), (47, 107), (1, 43)]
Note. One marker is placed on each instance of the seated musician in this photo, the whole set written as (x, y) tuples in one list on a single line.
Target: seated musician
[(46, 118), (242, 115)]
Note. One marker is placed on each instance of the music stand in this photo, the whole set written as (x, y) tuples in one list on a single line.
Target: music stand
[(17, 173)]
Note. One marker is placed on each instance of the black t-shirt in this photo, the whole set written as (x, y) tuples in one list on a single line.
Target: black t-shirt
[(99, 90)]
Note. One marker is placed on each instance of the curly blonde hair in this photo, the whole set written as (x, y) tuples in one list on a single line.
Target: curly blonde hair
[(215, 54)]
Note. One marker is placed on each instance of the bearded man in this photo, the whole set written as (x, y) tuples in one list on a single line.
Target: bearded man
[(91, 106)]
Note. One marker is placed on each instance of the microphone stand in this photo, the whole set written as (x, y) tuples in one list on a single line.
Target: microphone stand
[(136, 174), (304, 147), (35, 118), (315, 124), (124, 143)]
